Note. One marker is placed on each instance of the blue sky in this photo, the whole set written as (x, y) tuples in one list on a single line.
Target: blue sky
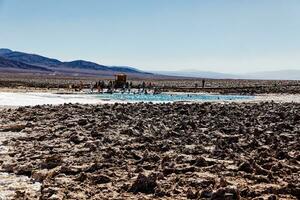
[(233, 36)]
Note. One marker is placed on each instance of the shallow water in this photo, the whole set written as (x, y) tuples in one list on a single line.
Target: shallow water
[(167, 97), (32, 99)]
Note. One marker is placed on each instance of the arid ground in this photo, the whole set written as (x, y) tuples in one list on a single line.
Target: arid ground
[(154, 151), (224, 86)]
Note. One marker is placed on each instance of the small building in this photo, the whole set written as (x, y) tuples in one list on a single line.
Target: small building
[(120, 80)]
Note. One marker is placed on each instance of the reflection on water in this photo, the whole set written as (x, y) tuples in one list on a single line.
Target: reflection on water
[(171, 97)]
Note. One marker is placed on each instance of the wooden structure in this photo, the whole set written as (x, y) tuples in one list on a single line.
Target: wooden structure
[(120, 80)]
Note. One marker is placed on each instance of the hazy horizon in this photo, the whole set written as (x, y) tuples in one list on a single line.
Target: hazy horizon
[(221, 36)]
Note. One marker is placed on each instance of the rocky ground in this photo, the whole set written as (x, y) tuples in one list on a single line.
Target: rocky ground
[(156, 151)]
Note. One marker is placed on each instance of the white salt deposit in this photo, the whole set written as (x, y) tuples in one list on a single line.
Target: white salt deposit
[(31, 99), (11, 99), (10, 183)]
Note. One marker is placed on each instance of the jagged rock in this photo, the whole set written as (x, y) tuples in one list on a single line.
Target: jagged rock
[(40, 175), (231, 193), (9, 166), (95, 150), (77, 139), (51, 162), (272, 197), (202, 162), (144, 184), (246, 167), (82, 122), (192, 195), (13, 127), (99, 179)]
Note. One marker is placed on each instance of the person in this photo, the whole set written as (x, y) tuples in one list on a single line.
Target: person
[(92, 87), (81, 85), (203, 83), (124, 88), (156, 91), (130, 84)]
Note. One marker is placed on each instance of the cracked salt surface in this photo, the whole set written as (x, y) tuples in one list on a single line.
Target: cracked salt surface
[(10, 183)]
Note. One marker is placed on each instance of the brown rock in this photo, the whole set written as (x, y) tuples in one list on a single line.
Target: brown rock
[(144, 184)]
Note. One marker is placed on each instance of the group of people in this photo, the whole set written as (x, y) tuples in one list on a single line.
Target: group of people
[(112, 86)]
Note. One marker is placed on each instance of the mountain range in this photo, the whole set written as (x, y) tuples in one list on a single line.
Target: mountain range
[(20, 62), (264, 75), (14, 61), (198, 73)]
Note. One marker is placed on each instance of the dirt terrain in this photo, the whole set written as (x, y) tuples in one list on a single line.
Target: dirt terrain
[(156, 151), (223, 86)]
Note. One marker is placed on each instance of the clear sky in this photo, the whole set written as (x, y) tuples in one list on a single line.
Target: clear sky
[(212, 35)]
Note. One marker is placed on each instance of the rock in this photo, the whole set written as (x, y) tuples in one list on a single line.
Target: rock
[(23, 169), (230, 192), (201, 162), (9, 166), (206, 193), (272, 197), (13, 128), (99, 179), (246, 167), (77, 139), (82, 122), (144, 184), (81, 177), (40, 175), (51, 162), (192, 195), (20, 195), (58, 196)]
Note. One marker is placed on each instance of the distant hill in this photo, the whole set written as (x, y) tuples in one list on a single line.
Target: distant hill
[(274, 75), (15, 66), (20, 62), (127, 69), (73, 68), (81, 64), (31, 59), (265, 75), (5, 51), (198, 74)]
